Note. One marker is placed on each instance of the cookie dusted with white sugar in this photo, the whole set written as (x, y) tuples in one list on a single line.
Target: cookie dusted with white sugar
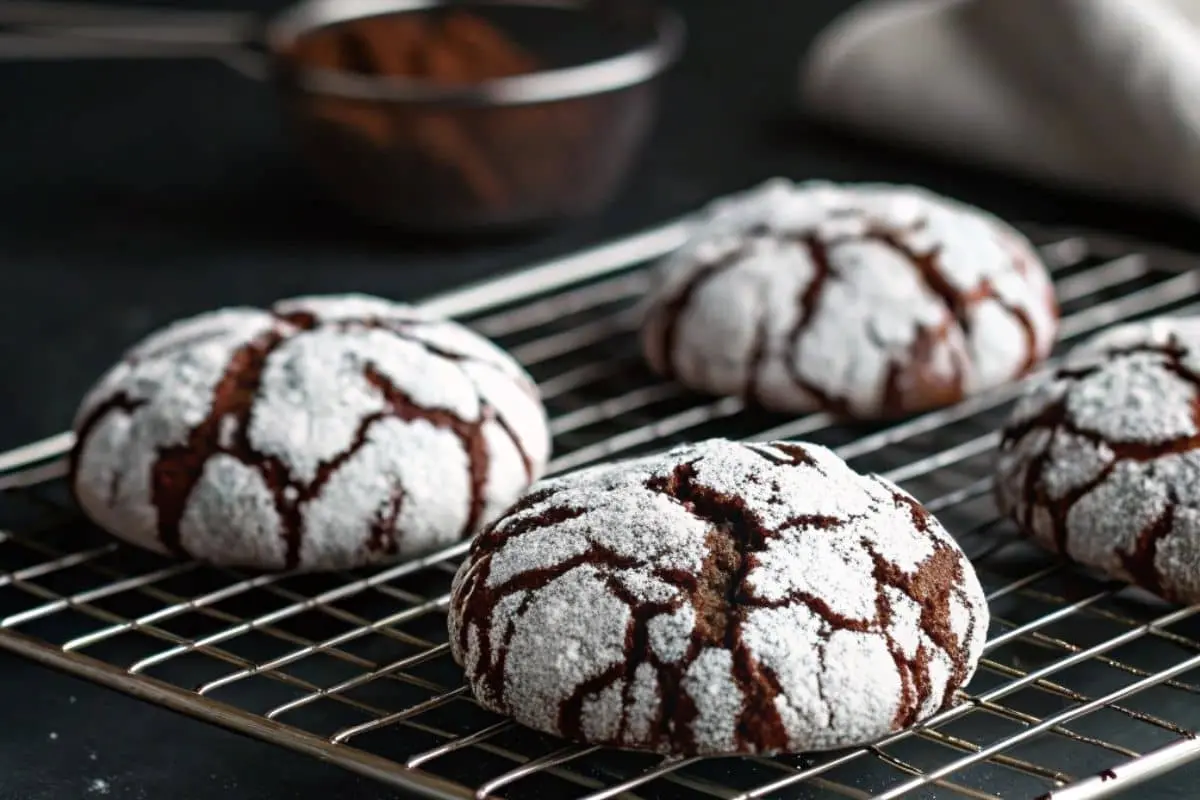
[(1101, 462), (325, 433), (865, 300), (719, 598)]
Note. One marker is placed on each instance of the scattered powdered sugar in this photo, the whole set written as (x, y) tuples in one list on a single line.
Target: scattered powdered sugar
[(113, 465), (863, 322), (1102, 461), (646, 588), (768, 587), (328, 432), (806, 295), (188, 353), (768, 273), (941, 673)]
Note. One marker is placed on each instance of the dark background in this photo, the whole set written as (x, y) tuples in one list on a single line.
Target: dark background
[(134, 193)]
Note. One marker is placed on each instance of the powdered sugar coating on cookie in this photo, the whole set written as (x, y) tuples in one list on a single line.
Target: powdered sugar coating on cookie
[(1101, 461), (718, 598), (864, 299), (327, 432)]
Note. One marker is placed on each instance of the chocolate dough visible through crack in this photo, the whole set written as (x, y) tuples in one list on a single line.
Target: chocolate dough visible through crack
[(793, 454), (1054, 418), (721, 601), (1140, 563), (818, 253), (914, 374), (177, 469), (484, 598), (118, 402), (141, 354), (758, 354), (957, 302), (920, 353), (931, 585), (469, 433), (714, 595), (671, 312), (407, 329), (933, 390), (382, 538)]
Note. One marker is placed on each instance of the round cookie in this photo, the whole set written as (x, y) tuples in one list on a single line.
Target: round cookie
[(719, 598), (865, 300), (1101, 461), (325, 433)]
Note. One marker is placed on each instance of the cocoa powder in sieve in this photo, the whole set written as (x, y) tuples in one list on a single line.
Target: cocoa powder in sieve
[(485, 157)]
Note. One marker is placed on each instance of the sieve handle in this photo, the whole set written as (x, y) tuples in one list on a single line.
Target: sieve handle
[(68, 31), (73, 14)]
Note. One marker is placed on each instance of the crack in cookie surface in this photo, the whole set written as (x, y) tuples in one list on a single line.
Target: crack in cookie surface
[(899, 301), (357, 468), (671, 603), (720, 601), (1100, 461), (807, 303), (178, 468), (667, 311)]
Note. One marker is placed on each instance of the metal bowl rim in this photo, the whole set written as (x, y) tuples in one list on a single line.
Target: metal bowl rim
[(621, 71)]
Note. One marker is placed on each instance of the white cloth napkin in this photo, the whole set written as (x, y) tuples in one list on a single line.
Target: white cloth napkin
[(1102, 95)]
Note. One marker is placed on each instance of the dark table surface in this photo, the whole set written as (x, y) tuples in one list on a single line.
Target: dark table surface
[(134, 193)]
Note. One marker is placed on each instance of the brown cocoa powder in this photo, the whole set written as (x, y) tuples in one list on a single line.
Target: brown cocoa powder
[(490, 155)]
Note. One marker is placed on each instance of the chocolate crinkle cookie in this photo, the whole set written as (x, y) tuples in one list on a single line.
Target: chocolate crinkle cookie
[(1101, 461), (864, 300), (324, 433), (720, 598)]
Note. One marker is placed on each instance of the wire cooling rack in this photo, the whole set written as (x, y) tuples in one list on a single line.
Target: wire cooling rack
[(1084, 689)]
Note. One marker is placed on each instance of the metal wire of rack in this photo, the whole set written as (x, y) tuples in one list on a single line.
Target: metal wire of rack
[(1083, 690)]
